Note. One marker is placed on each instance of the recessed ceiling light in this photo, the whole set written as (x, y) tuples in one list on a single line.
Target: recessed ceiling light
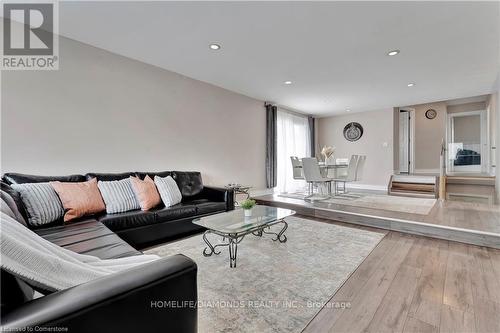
[(348, 110), (214, 46), (287, 82), (393, 52), (411, 84)]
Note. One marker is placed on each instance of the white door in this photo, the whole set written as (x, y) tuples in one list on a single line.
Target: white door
[(405, 141)]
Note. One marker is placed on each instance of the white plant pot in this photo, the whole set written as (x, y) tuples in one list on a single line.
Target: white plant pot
[(248, 212)]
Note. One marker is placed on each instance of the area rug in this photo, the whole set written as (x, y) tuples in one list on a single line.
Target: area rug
[(276, 287), (421, 206)]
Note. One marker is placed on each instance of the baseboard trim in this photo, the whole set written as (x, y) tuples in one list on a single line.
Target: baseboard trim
[(435, 171), (367, 187), (259, 192)]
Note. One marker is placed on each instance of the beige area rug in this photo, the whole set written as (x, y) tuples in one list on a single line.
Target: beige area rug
[(276, 287), (421, 206)]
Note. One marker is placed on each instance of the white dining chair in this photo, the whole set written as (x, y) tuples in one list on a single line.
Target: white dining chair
[(360, 168), (349, 177), (343, 160), (297, 168), (313, 176)]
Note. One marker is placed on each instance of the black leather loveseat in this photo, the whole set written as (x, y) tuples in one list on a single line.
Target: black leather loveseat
[(128, 301)]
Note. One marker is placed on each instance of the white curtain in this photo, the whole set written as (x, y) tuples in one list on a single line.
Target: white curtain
[(293, 140)]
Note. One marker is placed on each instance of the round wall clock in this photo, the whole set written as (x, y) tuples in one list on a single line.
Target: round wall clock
[(353, 131), (430, 114)]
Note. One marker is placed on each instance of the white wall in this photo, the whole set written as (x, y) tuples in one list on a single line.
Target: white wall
[(377, 127), (104, 112)]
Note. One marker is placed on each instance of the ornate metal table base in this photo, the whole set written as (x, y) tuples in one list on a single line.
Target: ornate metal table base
[(235, 239)]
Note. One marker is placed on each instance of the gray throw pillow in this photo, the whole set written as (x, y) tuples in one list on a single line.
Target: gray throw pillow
[(9, 207), (118, 195), (169, 191), (41, 201)]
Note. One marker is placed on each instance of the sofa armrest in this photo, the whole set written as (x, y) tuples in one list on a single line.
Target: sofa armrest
[(135, 300), (218, 194)]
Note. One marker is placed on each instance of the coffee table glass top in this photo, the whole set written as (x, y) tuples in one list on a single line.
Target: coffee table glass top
[(235, 221)]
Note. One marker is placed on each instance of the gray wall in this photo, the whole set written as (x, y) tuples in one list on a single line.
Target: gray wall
[(467, 129), (377, 127), (104, 112), (428, 136)]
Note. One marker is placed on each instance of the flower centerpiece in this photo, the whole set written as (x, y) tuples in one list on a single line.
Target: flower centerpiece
[(247, 206), (327, 152)]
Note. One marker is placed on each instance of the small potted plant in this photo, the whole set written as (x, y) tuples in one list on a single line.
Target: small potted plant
[(247, 206)]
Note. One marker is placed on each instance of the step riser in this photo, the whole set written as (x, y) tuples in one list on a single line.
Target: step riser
[(410, 227), (413, 186), (483, 182)]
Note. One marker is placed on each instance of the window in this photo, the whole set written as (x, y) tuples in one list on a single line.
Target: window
[(294, 139)]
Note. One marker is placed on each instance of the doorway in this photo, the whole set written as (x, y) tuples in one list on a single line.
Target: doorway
[(467, 142), (406, 140)]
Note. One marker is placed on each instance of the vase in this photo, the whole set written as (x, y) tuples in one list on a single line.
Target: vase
[(248, 212)]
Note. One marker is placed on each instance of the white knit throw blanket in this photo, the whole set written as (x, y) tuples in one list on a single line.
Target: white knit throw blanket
[(49, 266)]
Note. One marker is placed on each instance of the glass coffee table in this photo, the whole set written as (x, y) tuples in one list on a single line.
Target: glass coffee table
[(233, 226)]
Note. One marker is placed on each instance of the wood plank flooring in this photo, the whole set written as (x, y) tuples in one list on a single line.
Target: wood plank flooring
[(466, 215), (417, 284)]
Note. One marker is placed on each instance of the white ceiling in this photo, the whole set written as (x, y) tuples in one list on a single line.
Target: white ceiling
[(335, 53)]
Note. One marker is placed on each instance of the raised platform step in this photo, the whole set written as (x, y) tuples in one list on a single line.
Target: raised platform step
[(468, 180), (468, 236), (414, 186)]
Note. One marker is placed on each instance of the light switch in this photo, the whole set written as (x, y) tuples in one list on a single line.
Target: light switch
[(385, 144)]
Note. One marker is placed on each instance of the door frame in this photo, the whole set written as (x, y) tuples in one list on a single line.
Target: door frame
[(484, 130), (411, 137)]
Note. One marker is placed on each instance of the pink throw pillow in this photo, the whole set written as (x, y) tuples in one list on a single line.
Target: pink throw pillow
[(79, 199), (145, 192)]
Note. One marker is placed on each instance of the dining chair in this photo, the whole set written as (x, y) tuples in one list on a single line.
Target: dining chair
[(349, 177), (343, 160), (297, 168), (360, 168), (312, 175)]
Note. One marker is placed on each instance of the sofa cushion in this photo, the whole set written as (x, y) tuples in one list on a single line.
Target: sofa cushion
[(41, 201), (118, 196), (10, 208), (20, 178), (88, 237), (189, 183), (142, 174), (79, 199), (16, 197), (126, 220), (204, 206), (109, 176), (175, 212)]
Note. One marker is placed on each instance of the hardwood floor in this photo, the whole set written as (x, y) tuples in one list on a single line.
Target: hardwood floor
[(417, 284), (464, 222), (467, 215)]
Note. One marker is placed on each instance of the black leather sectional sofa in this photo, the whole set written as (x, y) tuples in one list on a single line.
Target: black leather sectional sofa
[(119, 302)]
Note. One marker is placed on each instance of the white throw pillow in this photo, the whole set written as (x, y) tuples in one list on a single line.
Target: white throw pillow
[(169, 191), (118, 196)]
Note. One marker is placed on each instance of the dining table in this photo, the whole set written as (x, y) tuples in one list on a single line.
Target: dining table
[(325, 168), (328, 166)]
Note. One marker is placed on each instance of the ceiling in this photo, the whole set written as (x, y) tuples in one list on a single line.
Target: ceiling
[(335, 53)]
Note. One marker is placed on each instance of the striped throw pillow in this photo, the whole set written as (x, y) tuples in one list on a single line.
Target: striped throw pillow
[(169, 191), (118, 196), (41, 201)]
